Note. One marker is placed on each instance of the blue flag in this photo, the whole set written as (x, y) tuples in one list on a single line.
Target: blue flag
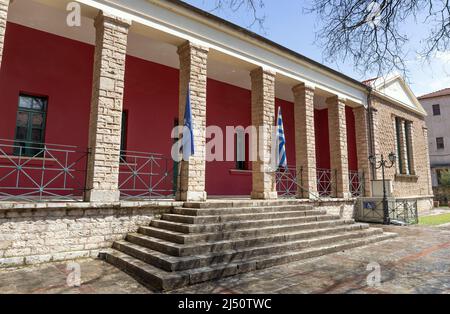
[(188, 130), (281, 141)]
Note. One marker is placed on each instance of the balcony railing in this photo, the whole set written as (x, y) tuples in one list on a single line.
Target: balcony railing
[(356, 183), (41, 171), (146, 176)]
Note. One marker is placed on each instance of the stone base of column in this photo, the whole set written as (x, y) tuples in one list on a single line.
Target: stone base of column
[(101, 196), (306, 195), (191, 196), (264, 195)]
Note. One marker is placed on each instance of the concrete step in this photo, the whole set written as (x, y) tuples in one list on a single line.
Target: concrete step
[(236, 225), (238, 217), (183, 238), (244, 203), (165, 280), (171, 263), (175, 249), (212, 211)]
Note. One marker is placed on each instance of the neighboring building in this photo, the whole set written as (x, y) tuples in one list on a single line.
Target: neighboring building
[(107, 95), (437, 105)]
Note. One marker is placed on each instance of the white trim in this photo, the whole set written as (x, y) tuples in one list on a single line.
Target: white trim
[(167, 18)]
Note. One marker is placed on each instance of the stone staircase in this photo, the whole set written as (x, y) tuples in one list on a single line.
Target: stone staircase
[(205, 241)]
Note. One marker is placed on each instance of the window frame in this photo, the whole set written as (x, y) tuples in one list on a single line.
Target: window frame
[(437, 143), (435, 108), (27, 147)]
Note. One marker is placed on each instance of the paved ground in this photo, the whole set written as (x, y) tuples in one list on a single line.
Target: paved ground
[(418, 261)]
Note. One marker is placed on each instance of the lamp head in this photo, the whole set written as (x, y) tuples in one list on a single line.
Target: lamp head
[(392, 157), (372, 159)]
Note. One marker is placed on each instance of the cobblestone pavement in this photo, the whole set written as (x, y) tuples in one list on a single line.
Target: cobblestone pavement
[(418, 261)]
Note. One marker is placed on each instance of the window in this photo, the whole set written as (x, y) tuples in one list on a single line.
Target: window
[(399, 150), (123, 131), (30, 125), (436, 110), (404, 143), (440, 143), (240, 150)]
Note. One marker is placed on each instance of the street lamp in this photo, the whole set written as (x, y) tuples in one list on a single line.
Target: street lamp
[(384, 163)]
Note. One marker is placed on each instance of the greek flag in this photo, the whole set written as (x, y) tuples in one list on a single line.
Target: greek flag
[(188, 130), (281, 141)]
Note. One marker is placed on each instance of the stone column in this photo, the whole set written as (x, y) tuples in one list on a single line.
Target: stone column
[(263, 118), (427, 160), (376, 140), (403, 151), (305, 142), (4, 5), (362, 146), (338, 145), (102, 181), (193, 73)]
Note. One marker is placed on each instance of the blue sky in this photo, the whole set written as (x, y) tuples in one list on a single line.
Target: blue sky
[(287, 24)]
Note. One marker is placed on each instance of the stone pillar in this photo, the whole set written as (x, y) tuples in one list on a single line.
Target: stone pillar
[(263, 118), (338, 145), (305, 142), (403, 151), (193, 73), (102, 181), (4, 5), (362, 146)]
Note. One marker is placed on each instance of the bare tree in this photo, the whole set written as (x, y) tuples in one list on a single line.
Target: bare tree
[(369, 32)]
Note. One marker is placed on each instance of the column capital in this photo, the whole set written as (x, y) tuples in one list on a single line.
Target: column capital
[(336, 99), (299, 88), (105, 17), (262, 71), (189, 46)]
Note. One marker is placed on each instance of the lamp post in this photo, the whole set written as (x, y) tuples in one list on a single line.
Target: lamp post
[(380, 162)]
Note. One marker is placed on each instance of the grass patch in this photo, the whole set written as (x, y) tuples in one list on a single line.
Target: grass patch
[(434, 220)]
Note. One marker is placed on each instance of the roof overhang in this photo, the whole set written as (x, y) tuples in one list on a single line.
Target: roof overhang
[(188, 23)]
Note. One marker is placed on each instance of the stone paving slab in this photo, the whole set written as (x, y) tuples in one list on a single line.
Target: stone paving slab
[(418, 261)]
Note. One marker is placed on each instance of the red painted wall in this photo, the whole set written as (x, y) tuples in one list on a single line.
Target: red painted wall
[(322, 139), (351, 140)]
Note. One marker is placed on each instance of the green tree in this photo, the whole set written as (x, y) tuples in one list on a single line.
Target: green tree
[(444, 179)]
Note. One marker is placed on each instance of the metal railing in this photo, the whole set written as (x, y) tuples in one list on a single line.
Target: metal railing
[(286, 179), (40, 171), (404, 210), (146, 176), (325, 183), (356, 183)]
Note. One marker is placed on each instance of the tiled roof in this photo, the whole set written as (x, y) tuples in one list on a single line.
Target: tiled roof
[(439, 93)]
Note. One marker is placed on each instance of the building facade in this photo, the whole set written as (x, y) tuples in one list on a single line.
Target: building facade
[(88, 110), (437, 105)]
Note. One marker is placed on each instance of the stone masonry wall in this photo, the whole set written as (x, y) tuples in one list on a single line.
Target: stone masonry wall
[(4, 5), (106, 108), (305, 143), (263, 115), (31, 236), (385, 143), (193, 73)]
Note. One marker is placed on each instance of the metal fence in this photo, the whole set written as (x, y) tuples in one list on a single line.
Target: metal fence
[(41, 171), (356, 183), (286, 179), (146, 176), (402, 210), (325, 183)]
